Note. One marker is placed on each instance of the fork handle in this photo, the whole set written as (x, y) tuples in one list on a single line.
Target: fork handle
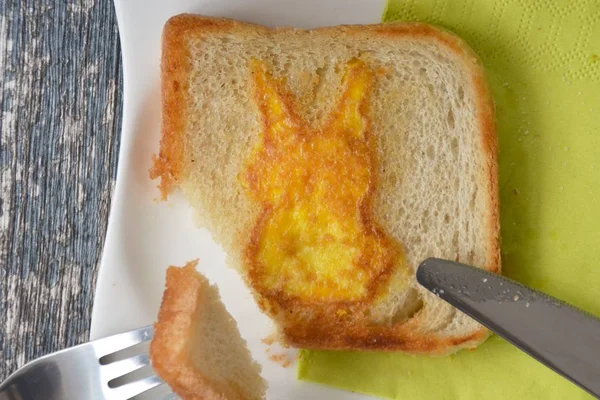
[(38, 380)]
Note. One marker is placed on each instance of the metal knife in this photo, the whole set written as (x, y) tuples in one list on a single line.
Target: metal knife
[(555, 333)]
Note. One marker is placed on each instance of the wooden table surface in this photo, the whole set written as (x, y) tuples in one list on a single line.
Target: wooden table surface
[(60, 105)]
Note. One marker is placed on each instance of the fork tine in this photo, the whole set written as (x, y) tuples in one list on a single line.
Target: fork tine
[(135, 388), (124, 367), (135, 375), (111, 344), (119, 355)]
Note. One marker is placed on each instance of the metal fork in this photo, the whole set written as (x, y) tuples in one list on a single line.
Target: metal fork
[(114, 368)]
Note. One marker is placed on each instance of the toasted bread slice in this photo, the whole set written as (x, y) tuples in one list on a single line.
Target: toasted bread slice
[(329, 163), (197, 348)]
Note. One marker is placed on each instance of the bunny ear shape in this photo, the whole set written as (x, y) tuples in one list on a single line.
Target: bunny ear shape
[(351, 117), (278, 115)]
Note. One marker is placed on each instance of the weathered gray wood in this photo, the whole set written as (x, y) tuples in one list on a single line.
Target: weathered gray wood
[(60, 111)]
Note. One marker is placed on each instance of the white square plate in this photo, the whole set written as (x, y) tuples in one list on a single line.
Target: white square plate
[(144, 235)]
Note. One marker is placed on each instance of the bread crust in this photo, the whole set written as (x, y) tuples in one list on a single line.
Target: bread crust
[(327, 332)]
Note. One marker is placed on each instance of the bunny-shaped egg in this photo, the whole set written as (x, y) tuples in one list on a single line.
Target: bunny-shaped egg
[(316, 239)]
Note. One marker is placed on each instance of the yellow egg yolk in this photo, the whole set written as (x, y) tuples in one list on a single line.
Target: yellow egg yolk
[(315, 239)]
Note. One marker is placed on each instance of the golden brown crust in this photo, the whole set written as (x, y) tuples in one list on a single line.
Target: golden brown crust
[(320, 331), (309, 329), (175, 69), (391, 340)]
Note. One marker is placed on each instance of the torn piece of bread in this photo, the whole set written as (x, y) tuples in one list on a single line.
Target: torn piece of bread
[(329, 163), (197, 348)]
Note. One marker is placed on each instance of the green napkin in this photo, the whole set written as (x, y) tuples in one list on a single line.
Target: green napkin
[(543, 63)]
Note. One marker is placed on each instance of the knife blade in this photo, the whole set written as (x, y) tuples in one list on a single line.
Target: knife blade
[(564, 338)]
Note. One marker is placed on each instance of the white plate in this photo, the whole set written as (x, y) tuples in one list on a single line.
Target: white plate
[(145, 236)]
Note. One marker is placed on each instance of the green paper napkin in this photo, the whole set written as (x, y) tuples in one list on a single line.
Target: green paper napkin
[(542, 59)]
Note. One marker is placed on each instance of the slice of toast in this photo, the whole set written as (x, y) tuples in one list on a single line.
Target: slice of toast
[(197, 348), (329, 163)]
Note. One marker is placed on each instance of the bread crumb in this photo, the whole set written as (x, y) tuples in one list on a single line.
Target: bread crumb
[(280, 359), (269, 340)]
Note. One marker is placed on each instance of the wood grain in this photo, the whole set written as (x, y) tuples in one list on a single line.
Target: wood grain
[(60, 105)]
